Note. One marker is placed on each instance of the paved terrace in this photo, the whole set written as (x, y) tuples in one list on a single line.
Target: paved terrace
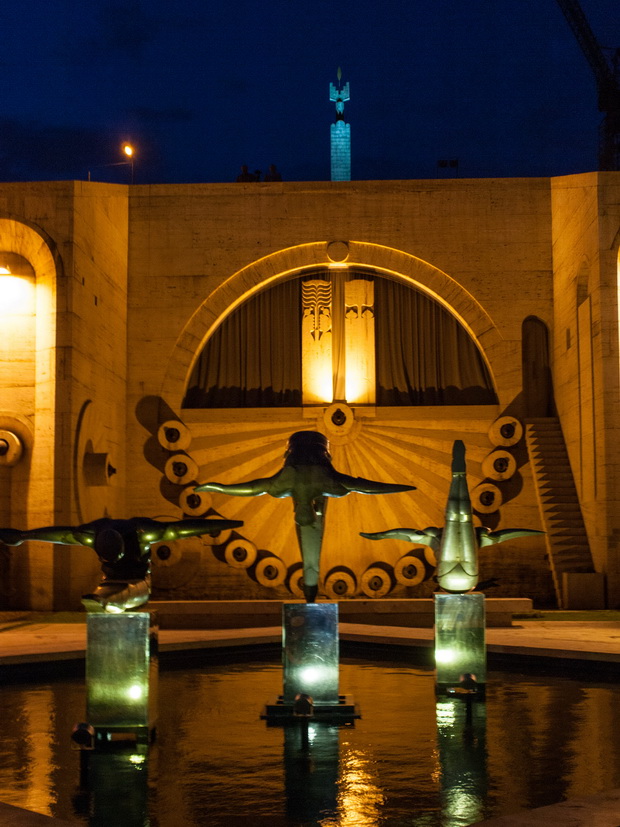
[(26, 644)]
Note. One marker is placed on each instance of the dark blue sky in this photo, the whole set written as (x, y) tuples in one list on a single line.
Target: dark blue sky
[(203, 86)]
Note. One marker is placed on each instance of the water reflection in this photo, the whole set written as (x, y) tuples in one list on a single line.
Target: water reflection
[(462, 753), (113, 787), (409, 761), (311, 754), (360, 797)]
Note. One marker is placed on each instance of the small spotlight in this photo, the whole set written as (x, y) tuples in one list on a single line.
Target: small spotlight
[(128, 150), (83, 736), (303, 706), (135, 692)]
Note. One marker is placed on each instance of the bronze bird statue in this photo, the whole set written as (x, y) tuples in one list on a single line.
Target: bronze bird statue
[(309, 478), (456, 544)]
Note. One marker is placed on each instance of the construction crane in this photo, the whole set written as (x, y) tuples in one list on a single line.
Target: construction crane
[(607, 84)]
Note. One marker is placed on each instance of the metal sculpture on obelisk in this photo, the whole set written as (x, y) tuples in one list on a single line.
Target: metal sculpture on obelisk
[(340, 133)]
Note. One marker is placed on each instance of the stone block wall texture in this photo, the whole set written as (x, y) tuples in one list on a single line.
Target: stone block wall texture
[(143, 274)]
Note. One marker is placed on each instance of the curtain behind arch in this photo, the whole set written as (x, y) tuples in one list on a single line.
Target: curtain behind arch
[(423, 355), (254, 358)]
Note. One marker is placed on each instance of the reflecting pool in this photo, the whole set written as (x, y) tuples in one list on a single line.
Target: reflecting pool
[(410, 760)]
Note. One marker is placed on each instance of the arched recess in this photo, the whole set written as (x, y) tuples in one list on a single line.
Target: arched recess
[(295, 260), (408, 445), (537, 384), (33, 415)]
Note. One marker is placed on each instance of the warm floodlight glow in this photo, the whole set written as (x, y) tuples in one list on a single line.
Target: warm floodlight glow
[(128, 150), (359, 342), (357, 384), (16, 293)]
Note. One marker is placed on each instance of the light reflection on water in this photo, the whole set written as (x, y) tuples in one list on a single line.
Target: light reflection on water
[(409, 761)]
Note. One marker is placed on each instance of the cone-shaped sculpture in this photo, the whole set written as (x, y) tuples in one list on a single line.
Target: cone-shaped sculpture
[(124, 549), (309, 478), (456, 544)]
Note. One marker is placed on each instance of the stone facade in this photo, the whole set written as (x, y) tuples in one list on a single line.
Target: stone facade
[(130, 283)]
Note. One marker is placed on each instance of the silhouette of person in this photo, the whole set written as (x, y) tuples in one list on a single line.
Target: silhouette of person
[(245, 175), (124, 549), (273, 174)]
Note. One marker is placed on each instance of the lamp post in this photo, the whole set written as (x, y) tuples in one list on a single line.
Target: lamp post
[(129, 152)]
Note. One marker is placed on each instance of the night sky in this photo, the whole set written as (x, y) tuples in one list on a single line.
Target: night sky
[(203, 86)]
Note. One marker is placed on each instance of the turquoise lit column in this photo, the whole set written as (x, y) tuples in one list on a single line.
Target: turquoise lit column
[(340, 133)]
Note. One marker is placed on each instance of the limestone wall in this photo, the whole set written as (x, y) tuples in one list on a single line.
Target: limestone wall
[(481, 247), (586, 225), (136, 279), (75, 238)]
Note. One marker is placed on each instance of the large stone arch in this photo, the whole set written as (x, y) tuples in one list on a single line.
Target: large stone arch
[(270, 269), (33, 481)]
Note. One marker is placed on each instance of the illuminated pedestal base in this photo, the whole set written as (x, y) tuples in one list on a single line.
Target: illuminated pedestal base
[(460, 646), (310, 662), (121, 676)]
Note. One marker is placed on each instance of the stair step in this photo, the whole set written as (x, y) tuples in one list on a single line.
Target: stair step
[(554, 498), (566, 539)]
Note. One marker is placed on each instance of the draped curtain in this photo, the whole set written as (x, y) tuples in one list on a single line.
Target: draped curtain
[(423, 355), (254, 358)]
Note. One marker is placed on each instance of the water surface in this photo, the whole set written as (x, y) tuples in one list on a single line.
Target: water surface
[(411, 760)]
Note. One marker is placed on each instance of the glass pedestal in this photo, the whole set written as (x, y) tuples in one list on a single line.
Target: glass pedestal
[(310, 665), (121, 676), (460, 645)]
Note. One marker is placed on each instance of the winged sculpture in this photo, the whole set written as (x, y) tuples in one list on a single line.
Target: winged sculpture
[(309, 479)]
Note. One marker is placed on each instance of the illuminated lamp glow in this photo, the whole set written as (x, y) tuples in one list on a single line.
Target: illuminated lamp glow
[(311, 674), (16, 294), (128, 150), (135, 692), (445, 655)]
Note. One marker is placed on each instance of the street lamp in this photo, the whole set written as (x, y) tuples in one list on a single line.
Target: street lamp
[(129, 152)]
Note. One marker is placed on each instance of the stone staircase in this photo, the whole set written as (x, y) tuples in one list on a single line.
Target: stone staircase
[(566, 538)]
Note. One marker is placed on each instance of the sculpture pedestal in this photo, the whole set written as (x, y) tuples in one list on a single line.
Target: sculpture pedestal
[(121, 676), (460, 645), (310, 662)]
